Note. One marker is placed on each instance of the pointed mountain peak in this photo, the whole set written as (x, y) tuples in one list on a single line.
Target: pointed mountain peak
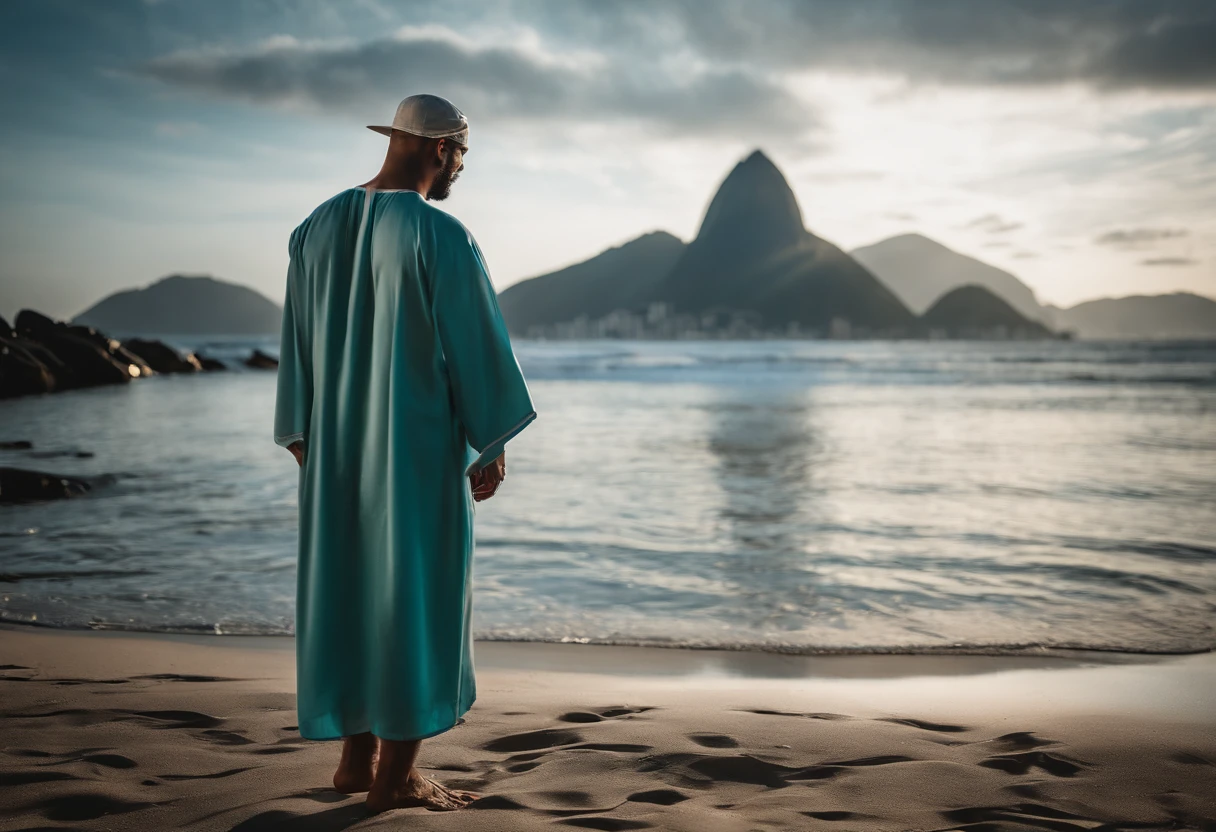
[(754, 195), (757, 157)]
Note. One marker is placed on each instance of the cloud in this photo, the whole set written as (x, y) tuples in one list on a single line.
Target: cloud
[(518, 83), (1138, 237), (1168, 261), (994, 224), (1106, 45)]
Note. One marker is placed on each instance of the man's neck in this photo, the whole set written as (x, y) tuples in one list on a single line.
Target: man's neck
[(399, 180)]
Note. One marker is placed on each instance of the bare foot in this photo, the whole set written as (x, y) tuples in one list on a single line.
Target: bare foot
[(357, 770), (418, 790)]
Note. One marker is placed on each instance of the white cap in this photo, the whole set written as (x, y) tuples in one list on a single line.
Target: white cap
[(429, 116)]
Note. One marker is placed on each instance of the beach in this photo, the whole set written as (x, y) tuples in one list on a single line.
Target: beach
[(122, 731)]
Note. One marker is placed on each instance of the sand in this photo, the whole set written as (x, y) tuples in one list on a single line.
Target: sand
[(114, 731)]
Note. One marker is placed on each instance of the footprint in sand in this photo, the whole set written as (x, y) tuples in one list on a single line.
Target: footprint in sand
[(714, 740), (217, 776), (533, 740), (697, 769), (178, 719), (608, 824), (612, 712), (224, 737), (662, 797), (1022, 763), (1020, 741), (26, 778), (769, 712), (1019, 814), (495, 801), (832, 815), (71, 807), (941, 727)]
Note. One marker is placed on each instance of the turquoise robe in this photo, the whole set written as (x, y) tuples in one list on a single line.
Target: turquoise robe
[(397, 374)]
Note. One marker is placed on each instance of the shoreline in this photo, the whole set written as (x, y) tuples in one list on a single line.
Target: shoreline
[(1113, 655), (1152, 684)]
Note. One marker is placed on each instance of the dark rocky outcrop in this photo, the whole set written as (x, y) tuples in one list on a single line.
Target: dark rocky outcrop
[(91, 358), (43, 356), (18, 485), (24, 366), (208, 363), (162, 358), (261, 361)]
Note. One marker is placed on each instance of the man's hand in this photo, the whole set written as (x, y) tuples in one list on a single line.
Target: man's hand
[(297, 450), (486, 481)]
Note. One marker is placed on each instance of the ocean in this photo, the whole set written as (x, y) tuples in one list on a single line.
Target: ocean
[(790, 496)]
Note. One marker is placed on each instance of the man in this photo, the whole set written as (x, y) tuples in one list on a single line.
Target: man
[(397, 393)]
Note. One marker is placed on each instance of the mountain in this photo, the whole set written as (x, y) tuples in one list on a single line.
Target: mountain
[(920, 271), (181, 305), (625, 277), (752, 253), (1181, 315), (977, 312)]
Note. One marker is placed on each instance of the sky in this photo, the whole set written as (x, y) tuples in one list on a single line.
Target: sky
[(1073, 144)]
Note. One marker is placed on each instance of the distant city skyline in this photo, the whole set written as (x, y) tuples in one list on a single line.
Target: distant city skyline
[(1071, 144)]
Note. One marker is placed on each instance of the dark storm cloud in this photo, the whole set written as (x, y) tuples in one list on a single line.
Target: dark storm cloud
[(1131, 237), (1168, 261), (499, 82), (1103, 43)]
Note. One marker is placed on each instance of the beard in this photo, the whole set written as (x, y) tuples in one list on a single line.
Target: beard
[(441, 187)]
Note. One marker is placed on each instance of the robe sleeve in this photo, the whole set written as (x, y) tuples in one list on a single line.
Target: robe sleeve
[(293, 402), (488, 388)]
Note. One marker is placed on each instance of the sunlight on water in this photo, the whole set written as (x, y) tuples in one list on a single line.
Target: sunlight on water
[(798, 496)]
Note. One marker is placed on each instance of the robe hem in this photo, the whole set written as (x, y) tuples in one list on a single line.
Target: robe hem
[(288, 439), (372, 730)]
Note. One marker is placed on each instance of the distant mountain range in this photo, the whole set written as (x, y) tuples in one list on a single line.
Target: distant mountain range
[(626, 277), (182, 305), (755, 266), (753, 269), (1141, 317), (920, 271)]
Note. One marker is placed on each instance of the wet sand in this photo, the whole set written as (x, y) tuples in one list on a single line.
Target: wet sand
[(114, 731)]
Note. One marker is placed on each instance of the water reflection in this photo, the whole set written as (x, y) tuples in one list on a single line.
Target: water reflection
[(764, 447)]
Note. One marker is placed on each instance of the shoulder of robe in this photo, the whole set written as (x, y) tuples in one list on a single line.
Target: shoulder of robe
[(295, 242), (445, 227)]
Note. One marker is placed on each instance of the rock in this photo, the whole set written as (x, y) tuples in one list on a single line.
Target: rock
[(208, 363), (261, 361), (161, 357), (92, 359), (5, 329), (16, 445), (20, 486), (24, 370)]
